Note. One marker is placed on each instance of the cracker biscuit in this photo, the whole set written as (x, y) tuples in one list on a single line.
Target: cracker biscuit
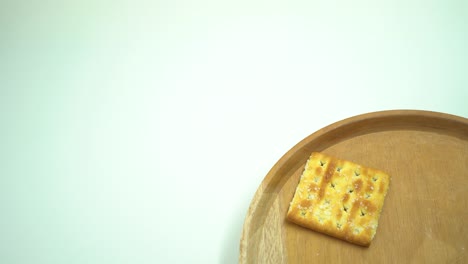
[(339, 198)]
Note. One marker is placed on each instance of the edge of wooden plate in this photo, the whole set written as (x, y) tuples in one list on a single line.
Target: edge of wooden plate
[(357, 125)]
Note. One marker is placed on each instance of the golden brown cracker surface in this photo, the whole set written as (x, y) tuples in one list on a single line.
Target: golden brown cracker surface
[(339, 198)]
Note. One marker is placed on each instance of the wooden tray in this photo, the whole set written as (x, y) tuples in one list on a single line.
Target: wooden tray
[(425, 216)]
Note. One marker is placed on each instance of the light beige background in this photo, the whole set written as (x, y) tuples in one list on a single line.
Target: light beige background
[(138, 131)]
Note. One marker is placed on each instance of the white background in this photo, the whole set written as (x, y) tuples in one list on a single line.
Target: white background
[(138, 132)]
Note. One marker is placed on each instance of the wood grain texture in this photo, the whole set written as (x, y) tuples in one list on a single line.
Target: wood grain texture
[(425, 212)]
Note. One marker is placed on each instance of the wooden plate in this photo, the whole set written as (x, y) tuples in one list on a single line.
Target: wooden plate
[(425, 216)]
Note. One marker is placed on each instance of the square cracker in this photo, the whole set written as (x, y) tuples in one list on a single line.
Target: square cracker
[(339, 198)]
